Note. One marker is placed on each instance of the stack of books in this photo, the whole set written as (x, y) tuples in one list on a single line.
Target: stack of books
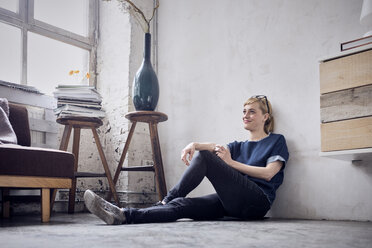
[(356, 43), (78, 101)]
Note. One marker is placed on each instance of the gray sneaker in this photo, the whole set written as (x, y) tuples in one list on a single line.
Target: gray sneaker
[(106, 211)]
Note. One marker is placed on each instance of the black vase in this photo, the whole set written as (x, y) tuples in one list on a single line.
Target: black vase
[(145, 83)]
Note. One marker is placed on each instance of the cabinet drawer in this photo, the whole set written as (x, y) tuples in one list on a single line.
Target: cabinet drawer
[(346, 72), (347, 134), (346, 104)]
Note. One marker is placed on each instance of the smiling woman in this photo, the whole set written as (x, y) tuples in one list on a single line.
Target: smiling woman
[(256, 105), (245, 176)]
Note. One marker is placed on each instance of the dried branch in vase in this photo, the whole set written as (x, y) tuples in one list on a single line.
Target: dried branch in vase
[(138, 14)]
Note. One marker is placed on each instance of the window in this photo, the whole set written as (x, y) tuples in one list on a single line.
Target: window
[(55, 12), (49, 62), (42, 40), (9, 5), (10, 53)]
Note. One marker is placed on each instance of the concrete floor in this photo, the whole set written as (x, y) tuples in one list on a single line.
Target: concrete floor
[(85, 230)]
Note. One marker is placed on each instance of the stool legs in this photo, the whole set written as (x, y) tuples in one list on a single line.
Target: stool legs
[(105, 166), (158, 162), (123, 155), (156, 155), (65, 138), (152, 119), (75, 151), (63, 147)]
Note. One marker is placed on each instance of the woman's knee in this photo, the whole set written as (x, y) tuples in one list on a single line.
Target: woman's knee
[(204, 159), (201, 157), (208, 156), (211, 158)]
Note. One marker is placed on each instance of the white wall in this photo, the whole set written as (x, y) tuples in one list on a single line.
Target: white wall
[(213, 55)]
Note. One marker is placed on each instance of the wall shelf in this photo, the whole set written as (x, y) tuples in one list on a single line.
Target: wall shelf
[(345, 53), (350, 155)]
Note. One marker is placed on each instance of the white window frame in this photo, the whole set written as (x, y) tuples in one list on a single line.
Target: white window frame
[(24, 20)]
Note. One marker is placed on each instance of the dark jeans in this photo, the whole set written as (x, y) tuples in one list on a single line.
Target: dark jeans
[(236, 196)]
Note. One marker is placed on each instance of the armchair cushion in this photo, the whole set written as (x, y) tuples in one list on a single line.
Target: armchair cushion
[(33, 161), (18, 117)]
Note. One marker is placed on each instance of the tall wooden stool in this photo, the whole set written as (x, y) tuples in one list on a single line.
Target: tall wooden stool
[(78, 123), (152, 118)]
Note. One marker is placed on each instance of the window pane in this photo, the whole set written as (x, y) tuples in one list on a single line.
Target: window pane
[(71, 15), (11, 5), (10, 53), (49, 63)]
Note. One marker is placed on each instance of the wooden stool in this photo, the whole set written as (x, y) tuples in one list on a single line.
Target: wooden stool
[(152, 118), (79, 123)]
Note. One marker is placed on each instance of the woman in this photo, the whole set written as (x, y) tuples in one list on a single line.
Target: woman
[(245, 176)]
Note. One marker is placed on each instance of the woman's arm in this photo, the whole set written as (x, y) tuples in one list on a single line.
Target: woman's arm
[(266, 173), (189, 150)]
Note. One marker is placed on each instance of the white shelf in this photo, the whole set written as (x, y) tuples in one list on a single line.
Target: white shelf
[(350, 155), (345, 53)]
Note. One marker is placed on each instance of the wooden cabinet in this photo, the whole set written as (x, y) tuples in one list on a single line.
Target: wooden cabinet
[(346, 101)]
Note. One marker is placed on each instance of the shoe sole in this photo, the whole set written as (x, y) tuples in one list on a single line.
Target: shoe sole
[(92, 204)]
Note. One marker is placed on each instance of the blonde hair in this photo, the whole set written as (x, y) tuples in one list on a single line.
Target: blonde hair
[(265, 106)]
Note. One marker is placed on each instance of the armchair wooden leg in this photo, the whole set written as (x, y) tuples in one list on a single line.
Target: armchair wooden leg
[(45, 205), (6, 203)]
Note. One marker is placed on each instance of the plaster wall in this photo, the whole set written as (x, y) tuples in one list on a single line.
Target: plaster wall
[(112, 74), (213, 55), (119, 55)]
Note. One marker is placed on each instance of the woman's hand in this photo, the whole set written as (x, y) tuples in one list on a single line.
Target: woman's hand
[(223, 153), (188, 153)]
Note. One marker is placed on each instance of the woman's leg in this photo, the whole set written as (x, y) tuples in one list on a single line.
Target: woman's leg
[(190, 179), (200, 208), (239, 196)]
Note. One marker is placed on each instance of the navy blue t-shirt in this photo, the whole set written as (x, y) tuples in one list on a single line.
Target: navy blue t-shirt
[(260, 153)]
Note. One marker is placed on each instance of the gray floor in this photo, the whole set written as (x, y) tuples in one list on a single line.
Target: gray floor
[(85, 230)]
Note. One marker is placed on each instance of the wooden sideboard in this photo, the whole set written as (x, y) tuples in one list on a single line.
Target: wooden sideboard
[(346, 102)]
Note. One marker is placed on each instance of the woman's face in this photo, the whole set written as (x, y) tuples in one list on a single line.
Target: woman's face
[(253, 118)]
